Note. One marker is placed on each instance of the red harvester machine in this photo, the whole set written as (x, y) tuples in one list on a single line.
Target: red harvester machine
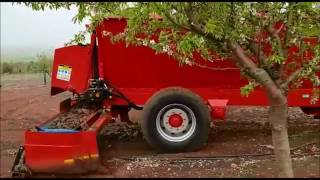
[(108, 79)]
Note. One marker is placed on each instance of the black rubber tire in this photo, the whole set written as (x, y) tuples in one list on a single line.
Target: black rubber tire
[(182, 96)]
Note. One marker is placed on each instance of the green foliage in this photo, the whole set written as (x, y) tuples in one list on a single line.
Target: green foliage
[(247, 89), (78, 38), (276, 59), (211, 26), (189, 44), (41, 64)]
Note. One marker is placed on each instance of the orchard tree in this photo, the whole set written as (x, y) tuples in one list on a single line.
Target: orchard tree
[(256, 36)]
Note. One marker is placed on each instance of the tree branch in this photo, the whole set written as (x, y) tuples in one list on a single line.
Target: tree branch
[(260, 75), (196, 27), (242, 58), (281, 49), (258, 52), (212, 68), (173, 21), (312, 17), (294, 76), (275, 35), (288, 24), (232, 14)]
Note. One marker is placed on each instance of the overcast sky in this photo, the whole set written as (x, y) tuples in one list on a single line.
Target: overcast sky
[(23, 28)]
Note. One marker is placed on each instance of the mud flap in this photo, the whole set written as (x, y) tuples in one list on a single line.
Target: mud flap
[(218, 107)]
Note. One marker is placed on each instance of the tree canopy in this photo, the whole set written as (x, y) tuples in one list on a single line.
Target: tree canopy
[(207, 27)]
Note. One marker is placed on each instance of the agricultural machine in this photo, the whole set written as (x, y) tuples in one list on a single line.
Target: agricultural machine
[(108, 79)]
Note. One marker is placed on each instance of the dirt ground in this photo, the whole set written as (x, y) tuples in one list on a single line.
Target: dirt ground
[(26, 102)]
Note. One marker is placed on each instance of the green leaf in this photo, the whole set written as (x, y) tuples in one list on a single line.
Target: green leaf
[(247, 89)]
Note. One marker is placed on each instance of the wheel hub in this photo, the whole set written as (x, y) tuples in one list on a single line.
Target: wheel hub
[(175, 120)]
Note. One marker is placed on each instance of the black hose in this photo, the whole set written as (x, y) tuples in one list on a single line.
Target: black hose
[(131, 104), (122, 96)]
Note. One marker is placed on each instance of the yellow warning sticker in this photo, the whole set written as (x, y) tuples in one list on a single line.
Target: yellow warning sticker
[(64, 72)]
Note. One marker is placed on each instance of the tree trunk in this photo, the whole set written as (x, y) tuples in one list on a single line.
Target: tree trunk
[(278, 120), (44, 78), (277, 112)]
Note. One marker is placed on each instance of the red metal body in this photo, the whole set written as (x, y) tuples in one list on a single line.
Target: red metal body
[(138, 72)]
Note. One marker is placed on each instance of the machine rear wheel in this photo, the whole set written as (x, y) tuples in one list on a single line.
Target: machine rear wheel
[(175, 119)]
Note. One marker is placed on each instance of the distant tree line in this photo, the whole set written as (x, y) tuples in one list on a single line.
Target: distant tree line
[(42, 64)]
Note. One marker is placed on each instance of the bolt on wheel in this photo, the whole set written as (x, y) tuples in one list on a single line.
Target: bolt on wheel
[(176, 122)]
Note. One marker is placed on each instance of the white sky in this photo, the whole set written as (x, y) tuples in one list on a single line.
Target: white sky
[(23, 28)]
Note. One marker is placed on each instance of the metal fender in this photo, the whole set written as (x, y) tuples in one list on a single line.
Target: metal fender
[(218, 108)]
